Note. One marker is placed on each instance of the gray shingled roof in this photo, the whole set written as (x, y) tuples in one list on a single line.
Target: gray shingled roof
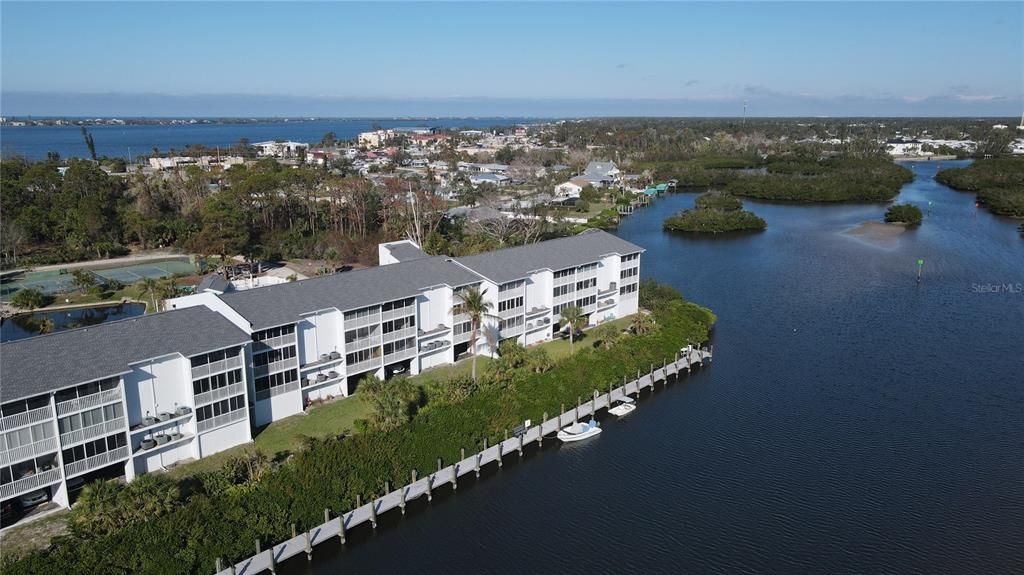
[(406, 251), (517, 263), (46, 363), (285, 303), (213, 282)]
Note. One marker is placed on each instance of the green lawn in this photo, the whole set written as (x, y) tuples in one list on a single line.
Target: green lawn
[(329, 419), (36, 534)]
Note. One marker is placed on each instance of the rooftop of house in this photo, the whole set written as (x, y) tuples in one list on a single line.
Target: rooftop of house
[(213, 282), (510, 264), (406, 251), (46, 363)]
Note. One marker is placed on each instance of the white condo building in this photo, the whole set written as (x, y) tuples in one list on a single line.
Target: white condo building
[(195, 380)]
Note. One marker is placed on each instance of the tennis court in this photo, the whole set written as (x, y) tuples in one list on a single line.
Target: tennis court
[(54, 282)]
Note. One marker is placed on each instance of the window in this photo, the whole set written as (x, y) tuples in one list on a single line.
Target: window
[(221, 407), (564, 273), (91, 417), (354, 335), (400, 345), (583, 302), (557, 310), (213, 356), (627, 289), (586, 284), (361, 313), (362, 355), (83, 390), (397, 324), (93, 448), (630, 258), (273, 332), (508, 304), (510, 323), (276, 380), (220, 380), (273, 355), (395, 305), (511, 286), (461, 328), (564, 289), (628, 273)]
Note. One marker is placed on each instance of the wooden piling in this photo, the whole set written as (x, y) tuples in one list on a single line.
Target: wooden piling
[(401, 502), (430, 486), (218, 566), (521, 445), (309, 547), (476, 465), (294, 532), (373, 514), (273, 560), (341, 528)]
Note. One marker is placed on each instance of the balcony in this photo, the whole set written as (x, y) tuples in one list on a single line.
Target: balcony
[(397, 313), (217, 367), (89, 401), (605, 304), (539, 324), (461, 337), (274, 367), (372, 363), (223, 419), (183, 413), (275, 391), (399, 334), (612, 289), (95, 462), (400, 355), (29, 483), (273, 343), (333, 358), (24, 418), (185, 438), (92, 432), (441, 329), (321, 379), (461, 318), (363, 343), (362, 321), (220, 393), (435, 346), (534, 312), (516, 311), (48, 445)]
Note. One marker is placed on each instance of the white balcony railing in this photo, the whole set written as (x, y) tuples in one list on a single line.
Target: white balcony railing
[(461, 337), (516, 311), (220, 393), (92, 432), (26, 484), (48, 445), (277, 390), (372, 363), (362, 321), (24, 418), (222, 419), (406, 311), (399, 334), (274, 342), (362, 343), (280, 365), (217, 366), (400, 355), (89, 401), (96, 461)]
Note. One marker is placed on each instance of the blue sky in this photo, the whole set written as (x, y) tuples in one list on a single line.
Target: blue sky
[(627, 58)]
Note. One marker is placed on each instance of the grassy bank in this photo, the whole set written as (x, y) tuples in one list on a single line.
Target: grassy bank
[(998, 183), (228, 511)]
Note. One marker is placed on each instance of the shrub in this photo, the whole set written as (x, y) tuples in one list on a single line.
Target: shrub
[(29, 298), (904, 214)]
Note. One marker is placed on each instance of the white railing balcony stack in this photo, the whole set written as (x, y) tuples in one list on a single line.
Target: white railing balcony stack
[(400, 355), (275, 367), (362, 321), (516, 311), (372, 363), (274, 342), (363, 343), (406, 311)]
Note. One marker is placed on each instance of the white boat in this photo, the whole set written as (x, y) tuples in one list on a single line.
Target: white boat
[(579, 431), (624, 406)]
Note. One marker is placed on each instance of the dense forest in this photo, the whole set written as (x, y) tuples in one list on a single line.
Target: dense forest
[(715, 212), (998, 182)]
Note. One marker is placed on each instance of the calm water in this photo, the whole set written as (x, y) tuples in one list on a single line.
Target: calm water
[(27, 325), (853, 421), (33, 142)]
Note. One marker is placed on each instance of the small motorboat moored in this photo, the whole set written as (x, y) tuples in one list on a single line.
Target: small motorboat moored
[(579, 431), (624, 406)]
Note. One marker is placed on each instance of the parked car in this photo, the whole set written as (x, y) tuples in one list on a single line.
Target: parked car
[(10, 512), (33, 498)]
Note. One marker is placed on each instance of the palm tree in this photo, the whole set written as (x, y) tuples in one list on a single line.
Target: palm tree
[(167, 289), (641, 324), (150, 287), (607, 334), (473, 303), (96, 511), (574, 318)]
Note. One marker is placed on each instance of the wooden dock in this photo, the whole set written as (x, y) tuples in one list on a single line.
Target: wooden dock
[(303, 543)]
